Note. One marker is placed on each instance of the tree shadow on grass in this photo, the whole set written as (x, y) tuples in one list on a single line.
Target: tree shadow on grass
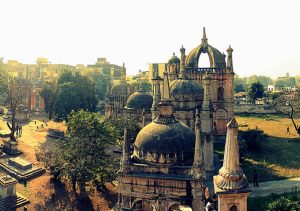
[(265, 173)]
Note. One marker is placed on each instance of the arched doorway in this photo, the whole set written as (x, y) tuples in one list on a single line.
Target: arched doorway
[(220, 121), (233, 208)]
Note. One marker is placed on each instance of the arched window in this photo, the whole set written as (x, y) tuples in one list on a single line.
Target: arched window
[(220, 94), (233, 208), (204, 60)]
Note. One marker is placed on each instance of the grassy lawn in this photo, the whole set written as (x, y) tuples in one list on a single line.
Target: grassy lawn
[(279, 157)]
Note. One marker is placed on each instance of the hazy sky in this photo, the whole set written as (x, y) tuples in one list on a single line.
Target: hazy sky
[(265, 35)]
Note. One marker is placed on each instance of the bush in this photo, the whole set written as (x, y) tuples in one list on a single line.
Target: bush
[(283, 203), (253, 138)]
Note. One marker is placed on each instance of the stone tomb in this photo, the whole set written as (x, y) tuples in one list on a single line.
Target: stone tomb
[(11, 147), (20, 169), (20, 163), (9, 198)]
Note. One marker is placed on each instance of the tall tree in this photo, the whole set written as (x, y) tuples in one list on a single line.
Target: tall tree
[(101, 82), (74, 92), (14, 92), (84, 155), (142, 86), (49, 92), (255, 91), (288, 103)]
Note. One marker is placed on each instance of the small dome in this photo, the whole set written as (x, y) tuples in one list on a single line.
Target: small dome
[(121, 88), (186, 90), (165, 140), (174, 59), (139, 100)]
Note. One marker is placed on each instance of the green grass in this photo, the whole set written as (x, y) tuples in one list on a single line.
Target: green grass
[(279, 157)]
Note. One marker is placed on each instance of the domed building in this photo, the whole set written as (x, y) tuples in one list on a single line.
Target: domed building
[(173, 67), (138, 107), (118, 96), (165, 170), (209, 89)]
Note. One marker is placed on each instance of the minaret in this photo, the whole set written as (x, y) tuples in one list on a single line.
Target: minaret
[(126, 154), (166, 87), (229, 58), (156, 80), (207, 127), (182, 60), (198, 159), (231, 185), (123, 73)]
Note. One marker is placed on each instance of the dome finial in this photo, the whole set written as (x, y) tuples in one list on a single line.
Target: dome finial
[(204, 39)]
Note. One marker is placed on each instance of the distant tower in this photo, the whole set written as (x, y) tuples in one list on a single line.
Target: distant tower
[(231, 185), (207, 126), (156, 81), (229, 58)]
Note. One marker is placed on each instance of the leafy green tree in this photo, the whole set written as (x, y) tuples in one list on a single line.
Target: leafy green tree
[(101, 82), (74, 92), (118, 123), (84, 155), (285, 82), (253, 138), (49, 94), (255, 91), (288, 103), (284, 203), (143, 86)]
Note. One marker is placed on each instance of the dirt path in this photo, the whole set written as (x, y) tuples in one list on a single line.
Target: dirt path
[(39, 190), (279, 186)]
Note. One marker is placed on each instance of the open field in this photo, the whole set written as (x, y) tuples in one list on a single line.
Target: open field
[(279, 157)]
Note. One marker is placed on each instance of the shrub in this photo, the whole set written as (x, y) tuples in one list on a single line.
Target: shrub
[(253, 138), (283, 203)]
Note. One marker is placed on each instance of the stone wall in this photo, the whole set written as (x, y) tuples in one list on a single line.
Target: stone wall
[(254, 109)]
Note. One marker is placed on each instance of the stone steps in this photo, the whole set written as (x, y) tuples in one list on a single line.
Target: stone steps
[(13, 202)]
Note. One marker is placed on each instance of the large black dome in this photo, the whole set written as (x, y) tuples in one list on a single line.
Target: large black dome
[(139, 100), (184, 89), (167, 138)]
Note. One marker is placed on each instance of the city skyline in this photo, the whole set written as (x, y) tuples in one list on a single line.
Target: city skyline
[(263, 35)]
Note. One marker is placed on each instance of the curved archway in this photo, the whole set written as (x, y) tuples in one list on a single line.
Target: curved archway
[(233, 208), (204, 60)]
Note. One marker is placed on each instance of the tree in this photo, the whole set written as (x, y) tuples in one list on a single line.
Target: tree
[(288, 103), (284, 203), (118, 123), (142, 86), (14, 92), (74, 92), (101, 82), (253, 138), (84, 155), (49, 92), (255, 91)]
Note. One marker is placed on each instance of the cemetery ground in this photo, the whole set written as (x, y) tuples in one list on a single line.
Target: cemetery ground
[(278, 159), (39, 190)]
